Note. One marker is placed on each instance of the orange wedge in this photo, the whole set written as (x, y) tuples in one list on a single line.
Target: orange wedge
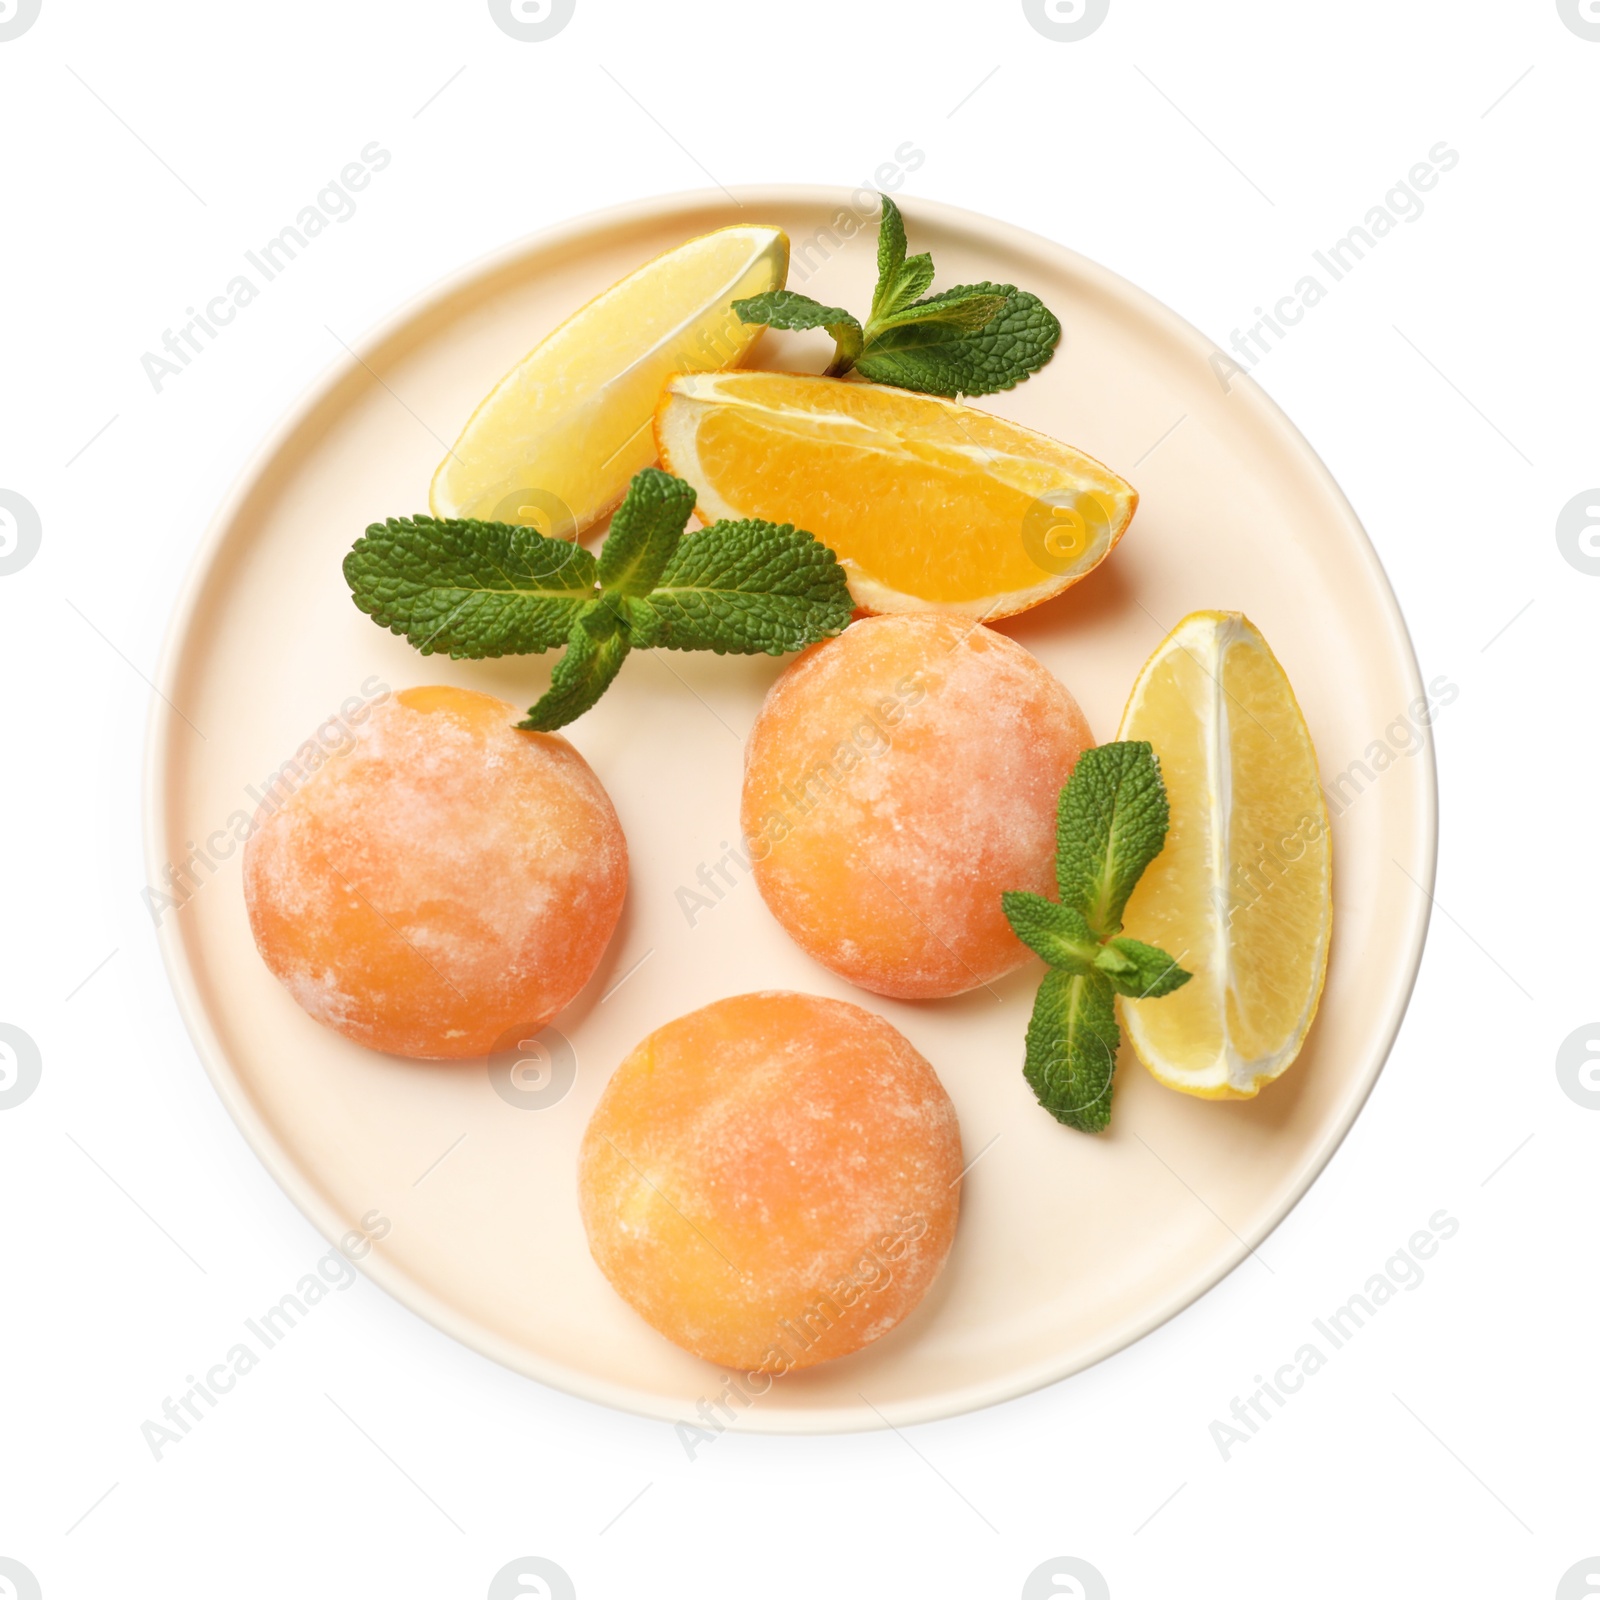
[(928, 504)]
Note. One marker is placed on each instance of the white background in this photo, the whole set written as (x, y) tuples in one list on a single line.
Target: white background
[(1447, 1449)]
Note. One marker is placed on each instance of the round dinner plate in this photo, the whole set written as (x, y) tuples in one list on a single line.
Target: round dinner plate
[(1069, 1247)]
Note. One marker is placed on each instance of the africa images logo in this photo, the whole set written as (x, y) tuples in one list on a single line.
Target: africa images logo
[(532, 1578), (16, 17), (21, 532), (1580, 1581), (1578, 1066), (1578, 532), (1582, 16), (532, 21), (1066, 21), (21, 1066), (1065, 1578)]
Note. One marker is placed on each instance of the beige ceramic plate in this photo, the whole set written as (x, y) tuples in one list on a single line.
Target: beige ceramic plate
[(1069, 1247)]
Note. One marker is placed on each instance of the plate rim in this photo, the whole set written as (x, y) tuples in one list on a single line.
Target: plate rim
[(301, 1189)]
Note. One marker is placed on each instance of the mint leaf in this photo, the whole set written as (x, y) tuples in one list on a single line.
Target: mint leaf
[(1072, 1047), (1139, 970), (902, 279), (644, 532), (969, 307), (910, 283), (1053, 931), (891, 251), (472, 588), (944, 358), (1111, 822), (783, 308), (638, 617), (596, 648), (747, 588)]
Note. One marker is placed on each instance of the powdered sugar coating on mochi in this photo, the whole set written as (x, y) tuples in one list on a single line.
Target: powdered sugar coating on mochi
[(771, 1181), (442, 880), (898, 780)]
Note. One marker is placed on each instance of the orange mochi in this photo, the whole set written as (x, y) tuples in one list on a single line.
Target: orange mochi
[(899, 779), (772, 1181), (441, 880)]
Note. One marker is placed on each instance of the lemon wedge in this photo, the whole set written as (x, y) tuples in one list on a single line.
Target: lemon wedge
[(1241, 894), (557, 441)]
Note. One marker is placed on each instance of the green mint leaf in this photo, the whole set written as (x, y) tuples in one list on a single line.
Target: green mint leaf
[(901, 279), (472, 588), (910, 281), (783, 308), (1055, 932), (596, 648), (638, 616), (943, 358), (1111, 822), (1139, 970), (747, 588), (891, 252), (913, 281), (970, 307), (1072, 1046), (644, 532)]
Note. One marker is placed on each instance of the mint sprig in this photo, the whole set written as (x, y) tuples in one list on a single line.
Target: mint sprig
[(478, 589), (977, 338), (1111, 823)]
